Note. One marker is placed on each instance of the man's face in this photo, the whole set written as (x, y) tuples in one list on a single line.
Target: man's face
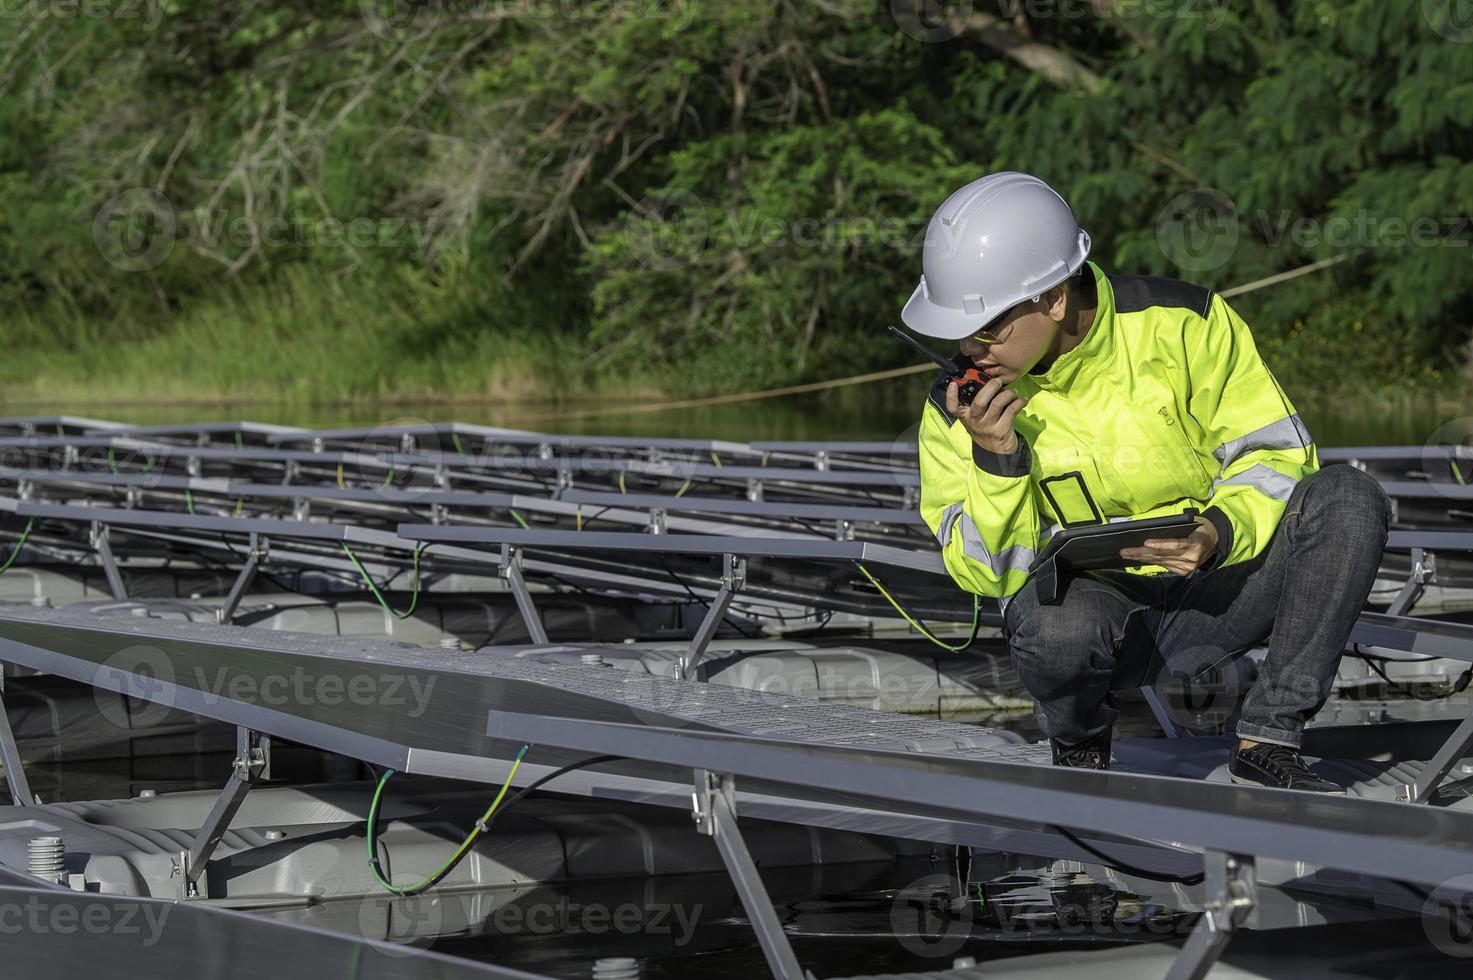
[(1025, 334)]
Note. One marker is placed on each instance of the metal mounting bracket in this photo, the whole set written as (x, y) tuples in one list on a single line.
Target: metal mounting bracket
[(1232, 898), (1170, 727), (109, 564), (733, 577), (252, 764), (1424, 571), (15, 772), (511, 570), (714, 811), (259, 547), (1441, 764)]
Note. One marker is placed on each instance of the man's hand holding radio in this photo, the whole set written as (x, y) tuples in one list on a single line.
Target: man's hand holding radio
[(989, 418)]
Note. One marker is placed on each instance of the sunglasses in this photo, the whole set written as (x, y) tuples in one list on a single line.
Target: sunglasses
[(990, 336)]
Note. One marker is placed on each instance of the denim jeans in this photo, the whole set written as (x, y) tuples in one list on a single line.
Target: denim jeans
[(1117, 630)]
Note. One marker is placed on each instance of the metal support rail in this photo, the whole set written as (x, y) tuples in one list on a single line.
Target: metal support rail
[(252, 763), (1320, 833)]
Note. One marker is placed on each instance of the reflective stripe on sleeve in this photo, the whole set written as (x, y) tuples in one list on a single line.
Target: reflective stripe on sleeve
[(1016, 558), (1265, 479), (1286, 433)]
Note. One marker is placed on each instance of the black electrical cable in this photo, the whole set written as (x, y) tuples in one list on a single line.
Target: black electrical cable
[(681, 582), (297, 590), (1459, 686), (538, 784), (1119, 865)]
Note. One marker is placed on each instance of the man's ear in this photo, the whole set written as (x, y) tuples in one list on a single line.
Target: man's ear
[(1056, 303)]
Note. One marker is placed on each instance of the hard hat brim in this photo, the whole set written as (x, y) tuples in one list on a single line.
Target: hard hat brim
[(925, 316)]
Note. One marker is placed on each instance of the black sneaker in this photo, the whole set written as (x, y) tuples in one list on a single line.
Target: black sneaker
[(1276, 766), (1092, 753)]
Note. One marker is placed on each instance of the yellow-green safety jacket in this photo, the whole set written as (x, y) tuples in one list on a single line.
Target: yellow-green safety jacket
[(1164, 405)]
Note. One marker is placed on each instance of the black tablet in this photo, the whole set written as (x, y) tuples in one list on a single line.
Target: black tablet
[(1098, 545)]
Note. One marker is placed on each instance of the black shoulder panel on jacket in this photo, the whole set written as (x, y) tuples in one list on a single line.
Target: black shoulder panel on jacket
[(1136, 293), (937, 396)]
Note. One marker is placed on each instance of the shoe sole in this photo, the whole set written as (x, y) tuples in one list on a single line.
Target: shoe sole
[(1342, 791)]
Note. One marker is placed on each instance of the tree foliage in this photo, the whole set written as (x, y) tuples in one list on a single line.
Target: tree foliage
[(694, 194)]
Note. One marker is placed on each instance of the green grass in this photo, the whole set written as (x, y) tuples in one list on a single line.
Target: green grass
[(301, 339)]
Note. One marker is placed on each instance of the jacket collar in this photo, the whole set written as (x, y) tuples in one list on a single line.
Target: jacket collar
[(1094, 349)]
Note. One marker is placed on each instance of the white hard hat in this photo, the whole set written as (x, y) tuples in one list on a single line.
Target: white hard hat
[(998, 241)]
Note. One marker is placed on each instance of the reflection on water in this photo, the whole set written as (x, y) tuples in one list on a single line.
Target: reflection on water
[(883, 411)]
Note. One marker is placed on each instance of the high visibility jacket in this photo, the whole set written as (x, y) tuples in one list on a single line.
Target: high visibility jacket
[(1164, 405)]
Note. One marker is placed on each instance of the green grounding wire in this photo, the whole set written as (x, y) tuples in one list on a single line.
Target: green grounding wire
[(433, 877), (976, 615), (10, 560), (414, 600)]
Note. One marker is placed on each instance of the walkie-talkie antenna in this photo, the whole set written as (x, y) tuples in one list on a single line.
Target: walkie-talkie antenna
[(946, 363)]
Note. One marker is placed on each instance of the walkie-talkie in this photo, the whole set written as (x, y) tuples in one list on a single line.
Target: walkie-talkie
[(969, 381)]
